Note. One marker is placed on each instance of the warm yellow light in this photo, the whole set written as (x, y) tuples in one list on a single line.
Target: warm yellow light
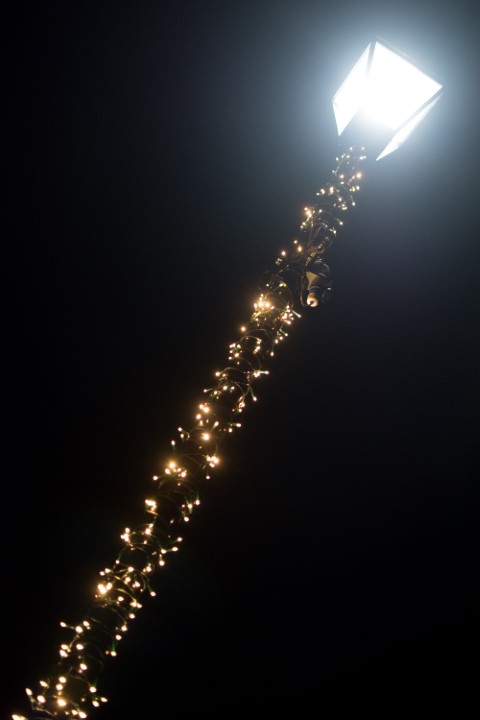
[(129, 583)]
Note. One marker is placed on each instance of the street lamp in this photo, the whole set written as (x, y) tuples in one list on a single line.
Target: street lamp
[(379, 104), (386, 91)]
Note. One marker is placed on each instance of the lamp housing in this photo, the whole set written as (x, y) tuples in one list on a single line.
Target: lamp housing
[(383, 99)]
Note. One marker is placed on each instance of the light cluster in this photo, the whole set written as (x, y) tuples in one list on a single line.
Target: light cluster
[(71, 691), (323, 218)]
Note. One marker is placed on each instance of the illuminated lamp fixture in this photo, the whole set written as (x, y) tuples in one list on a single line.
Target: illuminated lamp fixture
[(377, 107), (384, 96)]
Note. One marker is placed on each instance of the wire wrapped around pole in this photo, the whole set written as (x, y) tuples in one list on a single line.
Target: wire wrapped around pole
[(72, 690)]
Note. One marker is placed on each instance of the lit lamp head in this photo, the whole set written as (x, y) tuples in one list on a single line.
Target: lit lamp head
[(383, 99)]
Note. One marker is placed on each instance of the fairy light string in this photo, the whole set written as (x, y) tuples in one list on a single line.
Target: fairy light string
[(299, 274)]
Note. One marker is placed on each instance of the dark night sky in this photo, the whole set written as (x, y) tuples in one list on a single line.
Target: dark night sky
[(158, 157)]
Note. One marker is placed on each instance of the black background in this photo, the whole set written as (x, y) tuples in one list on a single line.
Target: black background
[(158, 156)]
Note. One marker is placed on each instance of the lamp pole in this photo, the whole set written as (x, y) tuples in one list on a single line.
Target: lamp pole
[(300, 277)]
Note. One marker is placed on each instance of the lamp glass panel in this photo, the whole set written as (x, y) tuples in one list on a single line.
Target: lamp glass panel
[(395, 88), (348, 97), (405, 132)]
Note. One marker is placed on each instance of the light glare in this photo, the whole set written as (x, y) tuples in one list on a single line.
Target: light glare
[(395, 88), (389, 91)]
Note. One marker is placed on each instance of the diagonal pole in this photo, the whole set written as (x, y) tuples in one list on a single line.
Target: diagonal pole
[(299, 278)]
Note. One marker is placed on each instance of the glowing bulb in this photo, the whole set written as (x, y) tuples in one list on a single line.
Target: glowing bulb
[(385, 87)]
